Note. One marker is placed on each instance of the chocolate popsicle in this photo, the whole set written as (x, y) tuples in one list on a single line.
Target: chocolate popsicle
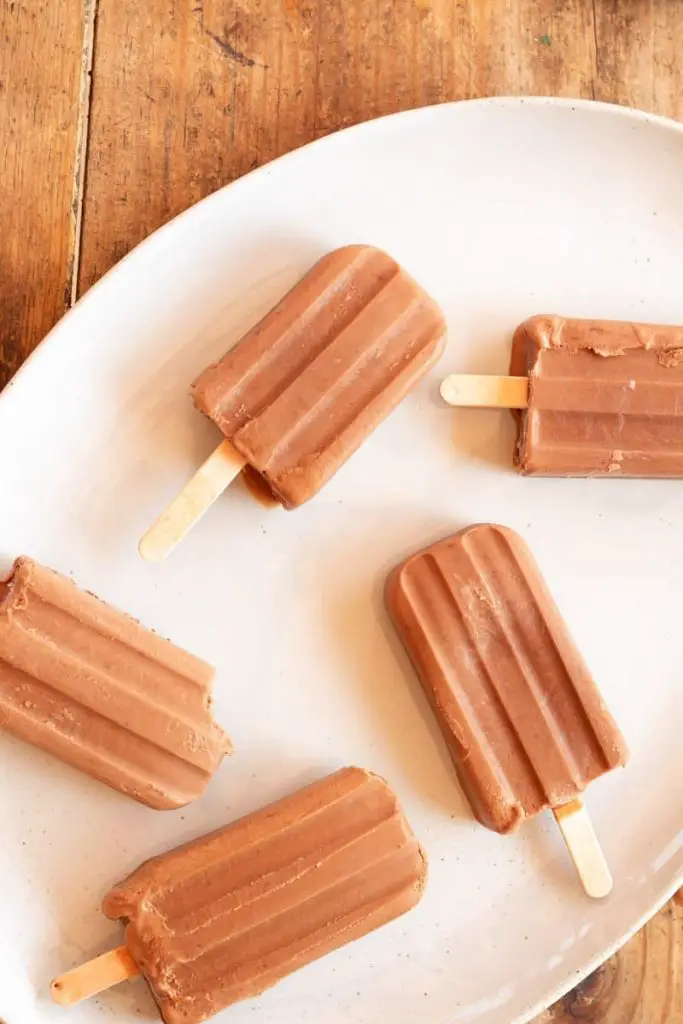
[(228, 915), (524, 722), (93, 687), (595, 397), (302, 390)]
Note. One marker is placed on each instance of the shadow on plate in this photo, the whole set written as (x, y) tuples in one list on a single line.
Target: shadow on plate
[(160, 438), (387, 688), (482, 435)]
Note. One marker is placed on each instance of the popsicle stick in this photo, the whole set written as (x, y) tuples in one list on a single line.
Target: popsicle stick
[(94, 976), (208, 483), (491, 392), (584, 848)]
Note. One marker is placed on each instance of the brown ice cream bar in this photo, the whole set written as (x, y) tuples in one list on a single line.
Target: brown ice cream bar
[(605, 398), (306, 386), (524, 722), (93, 687), (228, 915)]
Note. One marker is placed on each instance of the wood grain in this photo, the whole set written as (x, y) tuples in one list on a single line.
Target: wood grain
[(40, 64), (189, 94), (642, 984), (639, 54)]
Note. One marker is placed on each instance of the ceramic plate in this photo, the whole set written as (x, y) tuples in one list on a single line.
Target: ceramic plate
[(501, 209)]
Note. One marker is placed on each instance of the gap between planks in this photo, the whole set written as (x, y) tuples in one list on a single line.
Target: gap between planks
[(81, 152)]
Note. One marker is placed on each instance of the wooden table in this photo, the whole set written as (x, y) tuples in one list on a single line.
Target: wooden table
[(117, 114)]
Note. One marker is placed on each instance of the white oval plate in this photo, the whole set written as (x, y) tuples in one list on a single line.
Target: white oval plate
[(501, 209)]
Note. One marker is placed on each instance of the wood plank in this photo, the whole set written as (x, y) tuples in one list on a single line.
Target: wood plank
[(639, 48), (189, 97), (213, 90), (40, 62)]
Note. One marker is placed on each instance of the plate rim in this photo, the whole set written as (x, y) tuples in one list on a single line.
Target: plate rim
[(503, 101)]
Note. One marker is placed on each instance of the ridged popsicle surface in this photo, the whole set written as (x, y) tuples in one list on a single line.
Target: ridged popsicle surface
[(523, 719), (228, 915), (90, 685), (305, 387), (605, 398)]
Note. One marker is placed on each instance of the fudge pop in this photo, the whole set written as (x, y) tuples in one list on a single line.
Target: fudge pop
[(228, 915), (306, 386), (595, 397), (523, 720), (93, 687)]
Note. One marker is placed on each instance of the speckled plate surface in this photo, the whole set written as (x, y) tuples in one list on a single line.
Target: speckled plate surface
[(501, 209)]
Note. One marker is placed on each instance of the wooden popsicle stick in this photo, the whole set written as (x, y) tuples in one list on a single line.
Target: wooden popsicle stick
[(474, 390), (208, 483), (94, 976), (584, 848)]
